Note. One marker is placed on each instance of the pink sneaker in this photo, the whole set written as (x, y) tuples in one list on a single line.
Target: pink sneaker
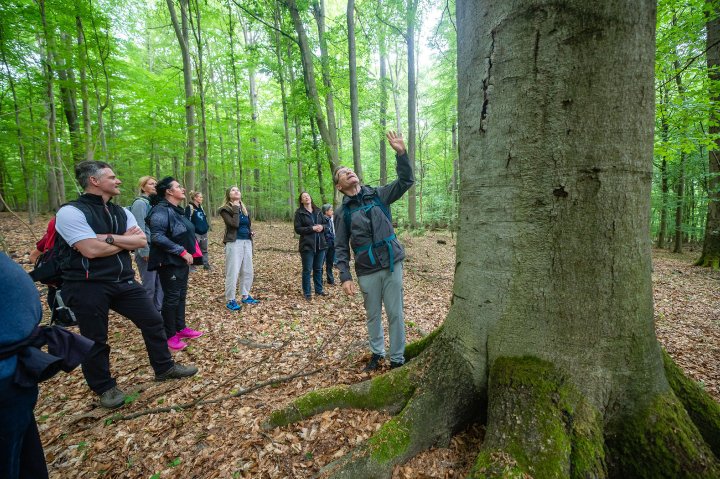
[(187, 333), (175, 344)]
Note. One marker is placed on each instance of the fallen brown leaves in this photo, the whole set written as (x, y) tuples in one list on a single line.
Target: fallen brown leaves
[(242, 356)]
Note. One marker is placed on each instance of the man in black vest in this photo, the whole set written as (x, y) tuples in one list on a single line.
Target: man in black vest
[(98, 276)]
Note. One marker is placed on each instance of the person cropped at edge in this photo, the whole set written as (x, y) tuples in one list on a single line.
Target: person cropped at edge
[(378, 253), (238, 249), (140, 208), (172, 246), (196, 214), (98, 276), (327, 210), (24, 364), (310, 225)]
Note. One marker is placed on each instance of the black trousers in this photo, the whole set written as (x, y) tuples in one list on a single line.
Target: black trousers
[(174, 281), (21, 453), (91, 301)]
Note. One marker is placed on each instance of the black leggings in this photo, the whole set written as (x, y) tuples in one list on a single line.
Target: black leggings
[(174, 281)]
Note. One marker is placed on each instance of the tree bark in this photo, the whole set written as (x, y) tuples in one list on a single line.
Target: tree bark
[(69, 99), (56, 182), (236, 95), (319, 13), (354, 109), (250, 41), (383, 106), (205, 181), (411, 20), (558, 353), (284, 101), (664, 183), (326, 133), (711, 242), (84, 97), (181, 32)]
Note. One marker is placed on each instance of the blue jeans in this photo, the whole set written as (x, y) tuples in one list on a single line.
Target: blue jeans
[(312, 261), (329, 263), (21, 453)]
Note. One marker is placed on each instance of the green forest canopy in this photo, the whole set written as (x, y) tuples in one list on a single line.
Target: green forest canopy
[(104, 80)]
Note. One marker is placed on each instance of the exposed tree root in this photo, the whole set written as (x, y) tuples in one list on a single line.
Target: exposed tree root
[(709, 261), (701, 408), (538, 423)]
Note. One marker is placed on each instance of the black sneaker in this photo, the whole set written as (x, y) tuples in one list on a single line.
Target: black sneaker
[(395, 364), (178, 371), (112, 398), (374, 362)]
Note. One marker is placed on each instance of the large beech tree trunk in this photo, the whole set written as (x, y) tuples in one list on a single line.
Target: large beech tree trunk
[(550, 335), (711, 244)]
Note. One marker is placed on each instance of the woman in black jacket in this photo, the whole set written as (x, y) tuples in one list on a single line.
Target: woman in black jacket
[(171, 249), (310, 225)]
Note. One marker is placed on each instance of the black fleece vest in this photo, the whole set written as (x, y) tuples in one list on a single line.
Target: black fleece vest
[(103, 219)]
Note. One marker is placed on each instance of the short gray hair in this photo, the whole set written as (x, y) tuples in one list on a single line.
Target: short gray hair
[(85, 169)]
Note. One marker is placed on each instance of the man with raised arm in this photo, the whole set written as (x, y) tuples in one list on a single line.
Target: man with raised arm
[(363, 223), (98, 276)]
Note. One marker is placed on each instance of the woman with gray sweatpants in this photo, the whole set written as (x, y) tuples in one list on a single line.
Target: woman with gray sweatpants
[(238, 250), (140, 209)]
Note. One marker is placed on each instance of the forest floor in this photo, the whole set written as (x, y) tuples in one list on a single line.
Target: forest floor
[(321, 343)]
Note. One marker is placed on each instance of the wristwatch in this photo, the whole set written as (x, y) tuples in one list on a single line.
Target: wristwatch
[(109, 239)]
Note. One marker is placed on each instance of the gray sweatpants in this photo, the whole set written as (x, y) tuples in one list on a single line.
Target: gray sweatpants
[(238, 262), (384, 287)]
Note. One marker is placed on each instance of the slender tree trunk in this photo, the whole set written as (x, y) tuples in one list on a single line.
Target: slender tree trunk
[(250, 41), (236, 94), (298, 130), (284, 101), (319, 13), (396, 95), (197, 34), (311, 88), (56, 183), (181, 32), (84, 97), (383, 107), (354, 109), (711, 242), (664, 185), (69, 99), (412, 104), (318, 163), (101, 105)]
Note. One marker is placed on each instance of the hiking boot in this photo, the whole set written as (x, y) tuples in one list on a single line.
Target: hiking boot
[(178, 371), (176, 344), (112, 398), (232, 305), (395, 364), (374, 362), (308, 298), (207, 267), (249, 300), (187, 333), (321, 293)]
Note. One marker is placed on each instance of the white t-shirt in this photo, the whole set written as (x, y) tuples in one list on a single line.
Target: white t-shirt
[(72, 225)]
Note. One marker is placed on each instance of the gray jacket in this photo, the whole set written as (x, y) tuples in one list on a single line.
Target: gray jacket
[(371, 234), (140, 208)]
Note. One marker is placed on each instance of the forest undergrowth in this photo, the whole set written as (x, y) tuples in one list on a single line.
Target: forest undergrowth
[(255, 361)]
